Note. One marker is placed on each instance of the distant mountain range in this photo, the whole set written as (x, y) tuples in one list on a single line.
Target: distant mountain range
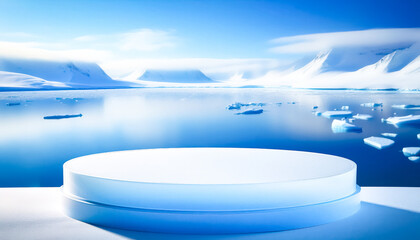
[(42, 74), (364, 68), (351, 68)]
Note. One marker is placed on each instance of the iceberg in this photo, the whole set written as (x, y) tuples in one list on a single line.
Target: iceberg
[(393, 135), (407, 107), (414, 158), (238, 105), (341, 126), (411, 151), (62, 116), (250, 111), (371, 105), (409, 120), (363, 116), (378, 142), (331, 114), (13, 104), (317, 113)]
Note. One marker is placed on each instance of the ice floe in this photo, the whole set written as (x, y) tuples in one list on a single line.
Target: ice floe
[(414, 158), (363, 116), (378, 142), (409, 120), (371, 105), (251, 111), (393, 135), (62, 116), (238, 105), (341, 126), (12, 104), (331, 114), (411, 151), (408, 107)]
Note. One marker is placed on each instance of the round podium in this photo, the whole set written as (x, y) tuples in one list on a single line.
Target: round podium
[(209, 190)]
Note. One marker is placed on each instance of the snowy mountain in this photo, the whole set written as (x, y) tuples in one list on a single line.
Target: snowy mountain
[(9, 80), (54, 74), (175, 76), (355, 68)]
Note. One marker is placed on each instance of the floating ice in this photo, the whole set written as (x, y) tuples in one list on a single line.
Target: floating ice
[(331, 114), (251, 111), (418, 136), (345, 108), (378, 142), (234, 106), (371, 105), (414, 158), (12, 104), (410, 120), (363, 116), (238, 105), (411, 151), (393, 135), (62, 116), (408, 107), (341, 126)]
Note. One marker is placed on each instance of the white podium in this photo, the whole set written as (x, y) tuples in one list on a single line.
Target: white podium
[(210, 190)]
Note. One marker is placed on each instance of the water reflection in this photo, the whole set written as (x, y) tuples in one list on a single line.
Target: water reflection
[(32, 149)]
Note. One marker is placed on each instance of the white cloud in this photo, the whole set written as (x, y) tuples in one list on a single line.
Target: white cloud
[(366, 38), (36, 50), (147, 40)]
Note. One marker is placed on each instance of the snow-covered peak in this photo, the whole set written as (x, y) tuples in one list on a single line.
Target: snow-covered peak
[(72, 74), (412, 67), (381, 65), (18, 80), (175, 76), (314, 66)]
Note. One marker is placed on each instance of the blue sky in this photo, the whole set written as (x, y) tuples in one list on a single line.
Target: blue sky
[(190, 29)]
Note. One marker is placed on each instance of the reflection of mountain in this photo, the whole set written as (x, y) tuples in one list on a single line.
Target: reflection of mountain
[(175, 76), (24, 73)]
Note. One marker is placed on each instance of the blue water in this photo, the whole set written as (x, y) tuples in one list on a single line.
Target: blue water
[(32, 150)]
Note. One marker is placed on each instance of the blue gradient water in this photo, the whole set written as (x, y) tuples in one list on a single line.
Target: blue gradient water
[(32, 150)]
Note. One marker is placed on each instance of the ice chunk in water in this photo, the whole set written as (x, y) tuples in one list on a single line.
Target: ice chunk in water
[(331, 114), (251, 111), (378, 142), (410, 120), (363, 116), (12, 104), (408, 106), (62, 116), (411, 151), (341, 126), (418, 136), (393, 135), (371, 105), (238, 105), (234, 106), (345, 108), (414, 158)]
